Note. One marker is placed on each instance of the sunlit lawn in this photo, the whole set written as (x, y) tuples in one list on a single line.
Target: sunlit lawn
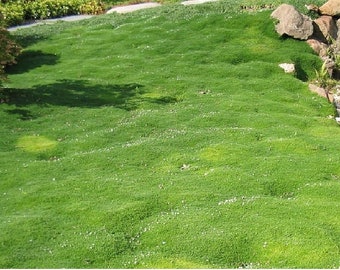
[(167, 138)]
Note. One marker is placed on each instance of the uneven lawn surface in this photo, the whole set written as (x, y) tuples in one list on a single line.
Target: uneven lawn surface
[(167, 138)]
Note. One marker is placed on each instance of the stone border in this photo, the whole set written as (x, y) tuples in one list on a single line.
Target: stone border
[(322, 35)]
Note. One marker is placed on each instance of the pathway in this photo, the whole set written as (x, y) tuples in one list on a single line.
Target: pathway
[(50, 21), (131, 8), (119, 9)]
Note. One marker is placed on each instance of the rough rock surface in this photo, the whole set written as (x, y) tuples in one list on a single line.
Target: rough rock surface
[(292, 22), (287, 67), (327, 26), (318, 47), (337, 50), (331, 8), (320, 91)]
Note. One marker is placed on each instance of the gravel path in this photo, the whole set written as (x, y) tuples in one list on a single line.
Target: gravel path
[(120, 9), (72, 18), (131, 8), (196, 2)]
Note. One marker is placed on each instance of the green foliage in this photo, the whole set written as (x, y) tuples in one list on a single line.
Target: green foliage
[(323, 77), (91, 7), (13, 13), (325, 80), (16, 12), (9, 50)]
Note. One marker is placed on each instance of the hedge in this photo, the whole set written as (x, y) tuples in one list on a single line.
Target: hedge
[(19, 11)]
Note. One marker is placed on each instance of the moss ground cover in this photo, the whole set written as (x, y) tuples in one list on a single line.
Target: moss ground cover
[(167, 138)]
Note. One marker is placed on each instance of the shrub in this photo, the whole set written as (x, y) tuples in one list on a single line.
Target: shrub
[(9, 50), (16, 12), (13, 13), (91, 7)]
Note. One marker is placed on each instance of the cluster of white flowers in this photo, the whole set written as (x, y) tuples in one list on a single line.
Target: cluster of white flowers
[(228, 201), (243, 199)]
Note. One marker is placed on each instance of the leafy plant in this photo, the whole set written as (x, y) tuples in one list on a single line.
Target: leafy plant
[(13, 13), (16, 12), (324, 79), (9, 50)]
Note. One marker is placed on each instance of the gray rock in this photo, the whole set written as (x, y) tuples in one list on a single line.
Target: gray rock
[(292, 22), (287, 67)]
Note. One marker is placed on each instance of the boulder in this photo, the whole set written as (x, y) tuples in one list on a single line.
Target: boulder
[(327, 26), (292, 22), (331, 8), (319, 47), (318, 35)]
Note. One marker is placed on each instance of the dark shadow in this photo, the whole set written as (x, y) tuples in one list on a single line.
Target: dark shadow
[(336, 74), (76, 93), (32, 59), (165, 100), (300, 73), (318, 35), (22, 113), (34, 34), (27, 40)]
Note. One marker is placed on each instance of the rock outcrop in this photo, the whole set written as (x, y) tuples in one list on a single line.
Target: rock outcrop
[(319, 47), (292, 23), (323, 36), (331, 8), (327, 26)]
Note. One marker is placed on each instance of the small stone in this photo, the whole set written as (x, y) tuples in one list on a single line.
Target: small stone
[(336, 101), (288, 68)]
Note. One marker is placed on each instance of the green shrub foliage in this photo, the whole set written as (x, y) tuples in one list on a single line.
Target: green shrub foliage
[(9, 50), (13, 13), (19, 11)]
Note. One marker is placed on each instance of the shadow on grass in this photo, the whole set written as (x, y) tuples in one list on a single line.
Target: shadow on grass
[(31, 35), (32, 59), (27, 40), (76, 93), (300, 73), (79, 93), (23, 114)]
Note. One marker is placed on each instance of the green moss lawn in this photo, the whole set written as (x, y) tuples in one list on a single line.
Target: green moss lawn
[(167, 138)]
